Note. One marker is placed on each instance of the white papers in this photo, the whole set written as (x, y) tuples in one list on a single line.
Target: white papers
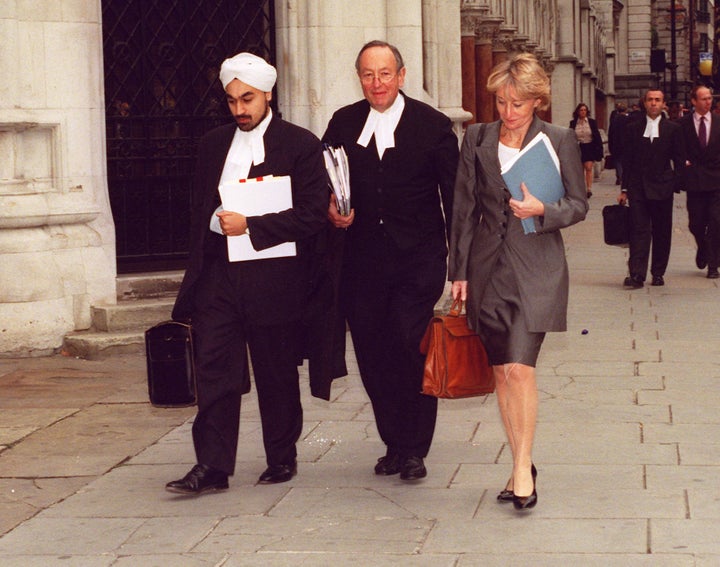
[(537, 165), (254, 197), (336, 164)]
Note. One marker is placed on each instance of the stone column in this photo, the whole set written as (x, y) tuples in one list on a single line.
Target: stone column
[(472, 13), (484, 57), (502, 44), (565, 82), (57, 243), (318, 40), (469, 66), (447, 61)]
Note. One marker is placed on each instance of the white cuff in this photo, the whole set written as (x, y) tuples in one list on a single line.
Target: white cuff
[(215, 221)]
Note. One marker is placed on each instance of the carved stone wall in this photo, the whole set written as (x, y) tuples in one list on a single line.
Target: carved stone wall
[(57, 253), (573, 40)]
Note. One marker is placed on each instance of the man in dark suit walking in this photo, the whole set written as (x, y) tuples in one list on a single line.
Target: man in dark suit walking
[(403, 158), (653, 162), (616, 138), (701, 133), (257, 304)]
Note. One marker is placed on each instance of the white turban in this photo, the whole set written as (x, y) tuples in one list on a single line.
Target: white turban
[(249, 69)]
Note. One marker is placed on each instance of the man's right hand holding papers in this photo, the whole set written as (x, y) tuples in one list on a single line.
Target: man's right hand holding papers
[(334, 216)]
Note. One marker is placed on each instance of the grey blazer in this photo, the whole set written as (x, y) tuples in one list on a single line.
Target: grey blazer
[(483, 226)]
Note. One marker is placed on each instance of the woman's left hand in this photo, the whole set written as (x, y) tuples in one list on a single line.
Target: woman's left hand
[(528, 207), (459, 290)]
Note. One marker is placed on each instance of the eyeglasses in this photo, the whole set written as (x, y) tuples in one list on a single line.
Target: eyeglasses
[(383, 76)]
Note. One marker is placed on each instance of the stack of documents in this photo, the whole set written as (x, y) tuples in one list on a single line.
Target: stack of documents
[(537, 165), (254, 197), (336, 163)]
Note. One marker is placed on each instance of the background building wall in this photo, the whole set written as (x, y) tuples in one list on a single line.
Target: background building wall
[(573, 39), (318, 41), (57, 254), (647, 25), (57, 245)]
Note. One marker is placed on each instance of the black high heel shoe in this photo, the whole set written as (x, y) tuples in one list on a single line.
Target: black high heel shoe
[(526, 502), (507, 495)]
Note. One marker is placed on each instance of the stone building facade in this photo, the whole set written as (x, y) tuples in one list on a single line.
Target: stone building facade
[(57, 231), (575, 41), (598, 51), (57, 253), (658, 44)]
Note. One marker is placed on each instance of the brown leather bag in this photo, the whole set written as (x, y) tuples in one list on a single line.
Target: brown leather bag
[(456, 364)]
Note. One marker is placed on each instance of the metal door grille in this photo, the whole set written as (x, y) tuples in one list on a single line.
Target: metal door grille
[(162, 59)]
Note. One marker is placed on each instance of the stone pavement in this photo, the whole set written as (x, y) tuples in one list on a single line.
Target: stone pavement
[(627, 449)]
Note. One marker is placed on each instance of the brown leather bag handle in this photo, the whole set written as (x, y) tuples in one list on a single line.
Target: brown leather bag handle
[(456, 308)]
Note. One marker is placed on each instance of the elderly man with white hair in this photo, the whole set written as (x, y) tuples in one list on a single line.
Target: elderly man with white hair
[(255, 305)]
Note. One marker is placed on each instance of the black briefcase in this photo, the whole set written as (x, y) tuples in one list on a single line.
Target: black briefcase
[(170, 364), (616, 225)]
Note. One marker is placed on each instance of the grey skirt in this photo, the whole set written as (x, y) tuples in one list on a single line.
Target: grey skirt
[(501, 323)]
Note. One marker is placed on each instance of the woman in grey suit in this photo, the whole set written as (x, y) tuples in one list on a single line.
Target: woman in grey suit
[(515, 284)]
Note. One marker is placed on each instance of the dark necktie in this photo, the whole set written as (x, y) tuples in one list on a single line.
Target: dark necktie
[(702, 133)]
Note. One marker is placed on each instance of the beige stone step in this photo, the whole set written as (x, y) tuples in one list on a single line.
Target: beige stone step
[(148, 285), (143, 301), (94, 345), (128, 315)]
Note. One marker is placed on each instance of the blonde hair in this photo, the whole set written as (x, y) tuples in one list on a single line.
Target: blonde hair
[(525, 75)]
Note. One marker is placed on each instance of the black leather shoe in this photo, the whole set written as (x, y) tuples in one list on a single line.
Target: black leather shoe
[(506, 495), (713, 273), (388, 465), (413, 468), (657, 280), (632, 283), (278, 473), (700, 259), (526, 502), (201, 478)]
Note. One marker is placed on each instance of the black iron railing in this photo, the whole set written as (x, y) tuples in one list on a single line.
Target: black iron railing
[(162, 59)]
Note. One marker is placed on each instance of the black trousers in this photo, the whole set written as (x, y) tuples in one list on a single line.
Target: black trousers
[(389, 298), (704, 222), (223, 337), (650, 223)]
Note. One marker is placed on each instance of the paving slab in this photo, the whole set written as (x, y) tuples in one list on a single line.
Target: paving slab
[(627, 448)]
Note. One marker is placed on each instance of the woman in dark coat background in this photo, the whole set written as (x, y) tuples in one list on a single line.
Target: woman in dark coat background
[(588, 136), (515, 284)]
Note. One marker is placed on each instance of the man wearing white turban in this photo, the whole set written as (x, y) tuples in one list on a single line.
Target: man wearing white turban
[(249, 69), (250, 305)]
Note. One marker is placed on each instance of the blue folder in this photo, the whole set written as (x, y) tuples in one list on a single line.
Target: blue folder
[(535, 167)]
